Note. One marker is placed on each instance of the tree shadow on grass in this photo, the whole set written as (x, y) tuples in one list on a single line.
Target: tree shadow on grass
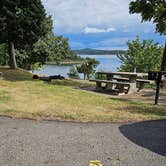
[(149, 134), (70, 82), (15, 75)]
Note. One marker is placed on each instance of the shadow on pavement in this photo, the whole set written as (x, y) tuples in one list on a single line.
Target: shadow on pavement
[(149, 134)]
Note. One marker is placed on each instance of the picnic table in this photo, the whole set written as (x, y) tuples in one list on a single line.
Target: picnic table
[(121, 80)]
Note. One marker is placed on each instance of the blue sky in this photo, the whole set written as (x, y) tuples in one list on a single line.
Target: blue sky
[(98, 24)]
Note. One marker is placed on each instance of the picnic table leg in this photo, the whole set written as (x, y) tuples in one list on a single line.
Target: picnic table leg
[(133, 86), (109, 86), (141, 86), (109, 77), (121, 89), (98, 86)]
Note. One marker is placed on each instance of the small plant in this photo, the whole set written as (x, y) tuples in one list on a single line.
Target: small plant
[(73, 73), (88, 67)]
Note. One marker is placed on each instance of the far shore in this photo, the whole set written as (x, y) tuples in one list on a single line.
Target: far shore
[(64, 63)]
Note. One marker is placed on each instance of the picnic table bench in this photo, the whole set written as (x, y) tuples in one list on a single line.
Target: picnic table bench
[(141, 82), (124, 85), (111, 84)]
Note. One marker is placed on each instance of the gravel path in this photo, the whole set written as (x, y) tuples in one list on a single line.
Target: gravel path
[(31, 143)]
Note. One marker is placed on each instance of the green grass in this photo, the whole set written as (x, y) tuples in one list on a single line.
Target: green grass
[(22, 97)]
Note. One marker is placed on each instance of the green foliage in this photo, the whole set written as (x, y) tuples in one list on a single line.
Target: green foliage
[(49, 48), (22, 57), (154, 10), (22, 23), (73, 73), (88, 67), (100, 76), (26, 27), (59, 48), (36, 55), (142, 56), (75, 56), (26, 59), (4, 57)]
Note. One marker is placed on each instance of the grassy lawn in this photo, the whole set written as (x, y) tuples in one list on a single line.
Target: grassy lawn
[(22, 97)]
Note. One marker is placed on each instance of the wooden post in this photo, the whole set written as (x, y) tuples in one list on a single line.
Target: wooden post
[(158, 82), (98, 86), (157, 92)]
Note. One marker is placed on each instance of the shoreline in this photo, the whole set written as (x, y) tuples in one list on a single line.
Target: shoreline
[(64, 63)]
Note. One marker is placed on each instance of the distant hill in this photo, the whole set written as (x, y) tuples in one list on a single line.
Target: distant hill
[(98, 52)]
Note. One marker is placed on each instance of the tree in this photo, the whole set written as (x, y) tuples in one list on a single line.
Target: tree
[(59, 48), (88, 67), (154, 10), (142, 56), (48, 48), (21, 24)]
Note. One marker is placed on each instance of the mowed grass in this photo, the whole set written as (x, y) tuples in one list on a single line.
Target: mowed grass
[(22, 97)]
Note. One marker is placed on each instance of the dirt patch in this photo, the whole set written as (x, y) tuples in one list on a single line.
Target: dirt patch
[(146, 95)]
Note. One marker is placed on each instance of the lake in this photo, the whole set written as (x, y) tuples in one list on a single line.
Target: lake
[(107, 63)]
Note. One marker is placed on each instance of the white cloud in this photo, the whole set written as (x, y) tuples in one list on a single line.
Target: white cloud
[(72, 16), (98, 30)]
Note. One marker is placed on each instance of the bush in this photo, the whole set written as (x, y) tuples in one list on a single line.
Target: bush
[(73, 73)]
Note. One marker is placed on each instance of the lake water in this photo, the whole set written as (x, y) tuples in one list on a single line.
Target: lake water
[(107, 63)]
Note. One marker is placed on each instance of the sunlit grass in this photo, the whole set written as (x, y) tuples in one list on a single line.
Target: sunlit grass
[(22, 97)]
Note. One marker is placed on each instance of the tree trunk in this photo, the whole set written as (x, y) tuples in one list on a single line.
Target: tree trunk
[(12, 56), (163, 67), (84, 76)]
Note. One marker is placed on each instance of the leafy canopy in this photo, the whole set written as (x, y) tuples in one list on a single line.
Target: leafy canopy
[(22, 22), (142, 56), (151, 10)]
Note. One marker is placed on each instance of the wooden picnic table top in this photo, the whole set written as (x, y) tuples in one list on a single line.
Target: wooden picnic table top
[(125, 74)]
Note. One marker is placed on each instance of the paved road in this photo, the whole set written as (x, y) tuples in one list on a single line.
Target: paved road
[(31, 143)]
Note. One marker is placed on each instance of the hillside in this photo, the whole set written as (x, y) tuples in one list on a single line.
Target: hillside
[(98, 52)]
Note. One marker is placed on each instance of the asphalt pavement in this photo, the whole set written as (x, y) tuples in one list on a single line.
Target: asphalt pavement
[(47, 143)]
